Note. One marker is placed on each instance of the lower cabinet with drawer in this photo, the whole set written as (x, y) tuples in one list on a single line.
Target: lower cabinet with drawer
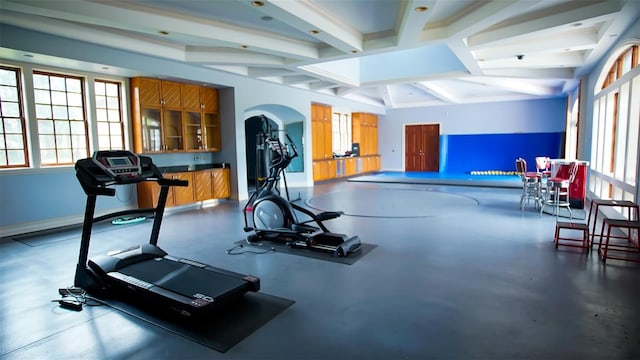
[(211, 184), (203, 185)]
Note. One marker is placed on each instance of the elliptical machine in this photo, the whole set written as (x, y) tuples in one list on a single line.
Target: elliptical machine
[(274, 216)]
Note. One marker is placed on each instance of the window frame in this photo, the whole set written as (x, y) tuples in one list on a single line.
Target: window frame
[(121, 117), (23, 123), (31, 129), (614, 134)]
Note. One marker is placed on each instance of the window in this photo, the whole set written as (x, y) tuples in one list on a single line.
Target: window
[(60, 114), (341, 133), (109, 116), (13, 149), (616, 129)]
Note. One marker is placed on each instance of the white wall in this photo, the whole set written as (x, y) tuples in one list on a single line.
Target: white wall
[(532, 116)]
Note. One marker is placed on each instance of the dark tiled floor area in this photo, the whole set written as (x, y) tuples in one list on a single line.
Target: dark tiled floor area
[(458, 273)]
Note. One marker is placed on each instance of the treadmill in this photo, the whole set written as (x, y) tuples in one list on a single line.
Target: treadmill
[(145, 273)]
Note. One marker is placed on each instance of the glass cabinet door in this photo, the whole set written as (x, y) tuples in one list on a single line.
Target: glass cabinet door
[(172, 130), (193, 130), (212, 138), (151, 134)]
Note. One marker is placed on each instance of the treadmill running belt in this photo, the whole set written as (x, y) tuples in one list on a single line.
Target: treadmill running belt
[(183, 279)]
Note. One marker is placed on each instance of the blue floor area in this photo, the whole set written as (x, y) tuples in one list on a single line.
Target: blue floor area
[(465, 179)]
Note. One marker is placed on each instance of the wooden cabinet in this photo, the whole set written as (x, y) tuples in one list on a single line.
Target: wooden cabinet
[(200, 117), (148, 192), (171, 116), (203, 185), (212, 184), (221, 185), (182, 195), (364, 130), (350, 167), (321, 132), (157, 124), (324, 169)]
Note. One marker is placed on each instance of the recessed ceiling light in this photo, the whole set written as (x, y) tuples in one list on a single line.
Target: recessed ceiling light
[(163, 32), (105, 68), (257, 3), (314, 32), (421, 9), (354, 51), (28, 55), (576, 24), (266, 18), (244, 46)]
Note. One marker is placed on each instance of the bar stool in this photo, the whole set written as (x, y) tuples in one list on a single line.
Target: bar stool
[(530, 183), (572, 241), (557, 194), (630, 247)]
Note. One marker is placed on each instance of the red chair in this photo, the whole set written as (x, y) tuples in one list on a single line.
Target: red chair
[(557, 193)]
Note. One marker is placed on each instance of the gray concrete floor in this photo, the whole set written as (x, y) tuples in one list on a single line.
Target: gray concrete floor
[(458, 273)]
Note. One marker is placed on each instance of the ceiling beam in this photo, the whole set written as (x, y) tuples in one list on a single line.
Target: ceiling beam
[(546, 23), (514, 85), (411, 21), (437, 91), (125, 15), (307, 17), (571, 40), (215, 55)]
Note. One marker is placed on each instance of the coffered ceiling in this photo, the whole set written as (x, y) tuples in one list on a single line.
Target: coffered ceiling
[(392, 53)]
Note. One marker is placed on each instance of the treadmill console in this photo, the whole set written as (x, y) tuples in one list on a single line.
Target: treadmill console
[(118, 163)]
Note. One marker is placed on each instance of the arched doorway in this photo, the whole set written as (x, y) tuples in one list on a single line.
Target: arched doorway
[(257, 164), (283, 120)]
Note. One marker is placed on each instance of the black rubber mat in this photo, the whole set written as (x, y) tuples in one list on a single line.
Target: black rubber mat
[(221, 331), (263, 247)]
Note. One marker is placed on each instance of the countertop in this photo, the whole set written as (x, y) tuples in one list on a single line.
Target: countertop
[(192, 167)]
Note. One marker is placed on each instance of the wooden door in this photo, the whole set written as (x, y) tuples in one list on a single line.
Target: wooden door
[(171, 95), (422, 147), (190, 97), (183, 194), (209, 98), (221, 185), (147, 91), (202, 185)]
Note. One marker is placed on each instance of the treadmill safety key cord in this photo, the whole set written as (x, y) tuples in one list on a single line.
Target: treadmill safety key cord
[(73, 298)]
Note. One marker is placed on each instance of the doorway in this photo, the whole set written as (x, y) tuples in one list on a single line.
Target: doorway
[(422, 147), (257, 164)]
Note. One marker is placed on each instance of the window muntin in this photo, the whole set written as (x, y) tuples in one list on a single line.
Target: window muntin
[(60, 115), (13, 140)]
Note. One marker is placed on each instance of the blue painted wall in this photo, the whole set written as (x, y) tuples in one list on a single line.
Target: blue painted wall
[(465, 153)]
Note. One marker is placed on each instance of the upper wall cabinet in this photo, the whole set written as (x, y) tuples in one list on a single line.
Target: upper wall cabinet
[(171, 116), (321, 132)]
